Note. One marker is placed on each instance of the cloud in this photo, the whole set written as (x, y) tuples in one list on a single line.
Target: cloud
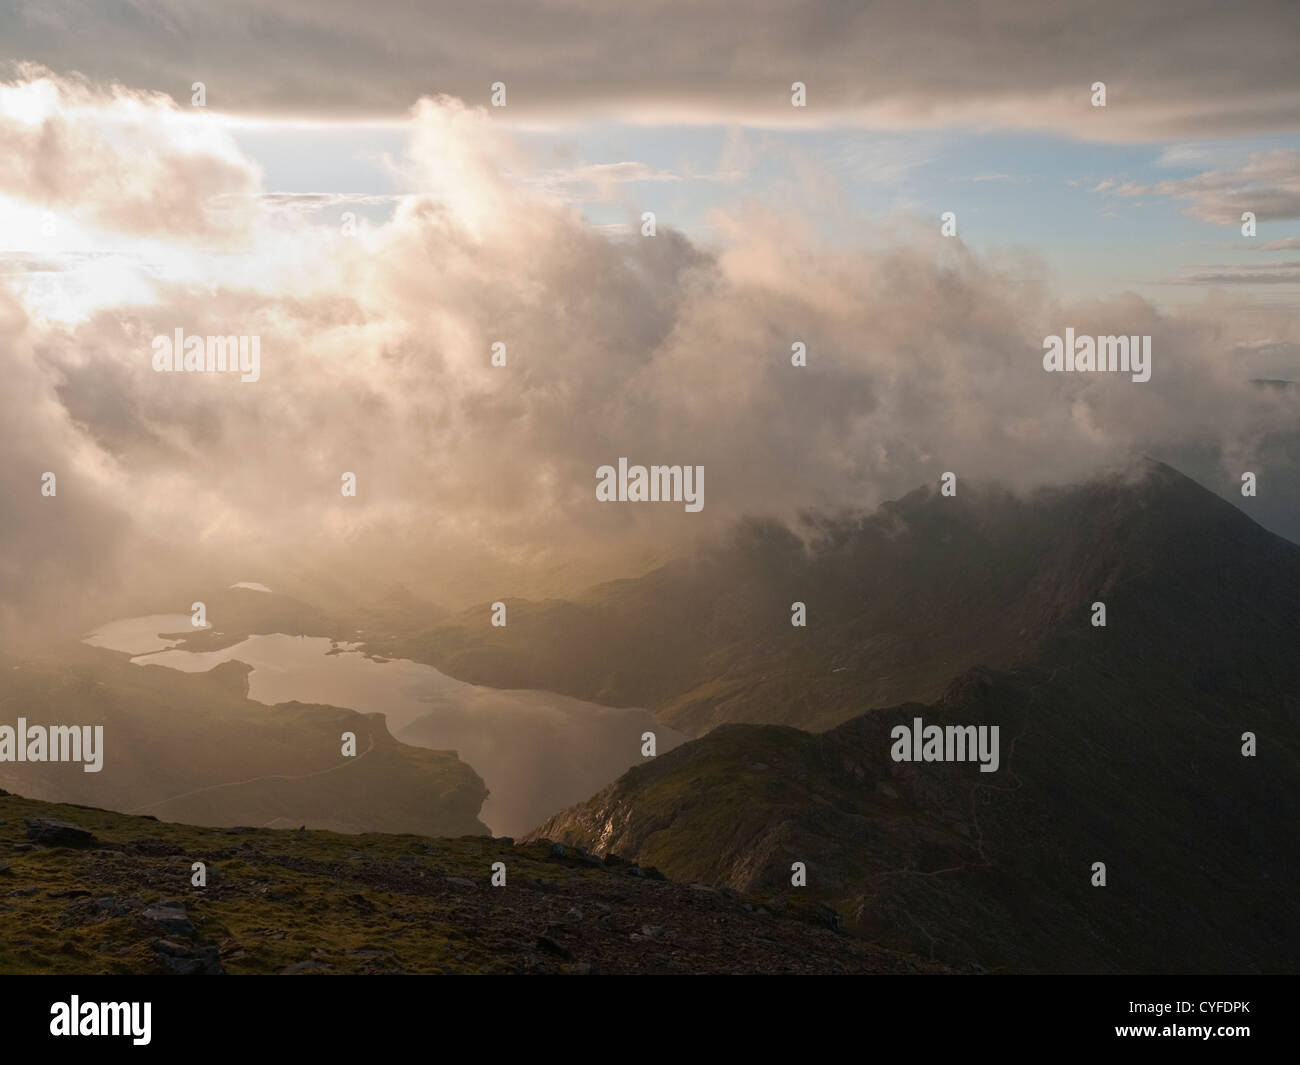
[(1286, 244), (120, 160), (1172, 70), (1267, 183), (476, 480), (1262, 274)]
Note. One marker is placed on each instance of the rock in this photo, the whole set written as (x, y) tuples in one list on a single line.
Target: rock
[(203, 962), (58, 833), (824, 915), (23, 892), (651, 931), (460, 881), (69, 893), (112, 906), (506, 841), (24, 846), (651, 873), (584, 968), (5, 870), (557, 849), (575, 914), (171, 947), (170, 917)]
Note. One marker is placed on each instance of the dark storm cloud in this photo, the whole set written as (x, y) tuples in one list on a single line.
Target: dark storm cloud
[(1173, 68)]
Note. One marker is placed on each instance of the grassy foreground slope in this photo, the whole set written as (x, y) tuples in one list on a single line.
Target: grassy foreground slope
[(321, 902)]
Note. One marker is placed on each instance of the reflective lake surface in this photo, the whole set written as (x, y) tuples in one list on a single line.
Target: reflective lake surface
[(536, 751)]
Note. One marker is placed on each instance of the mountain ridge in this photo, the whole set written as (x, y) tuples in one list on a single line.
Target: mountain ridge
[(898, 603)]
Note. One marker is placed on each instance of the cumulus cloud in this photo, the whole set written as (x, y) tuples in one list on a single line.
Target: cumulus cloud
[(478, 481), (1172, 69), (120, 160)]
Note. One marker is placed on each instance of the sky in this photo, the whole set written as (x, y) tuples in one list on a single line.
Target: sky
[(338, 180)]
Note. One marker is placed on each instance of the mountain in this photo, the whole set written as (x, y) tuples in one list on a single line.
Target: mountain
[(192, 746), (995, 869), (89, 891), (899, 602), (1120, 744)]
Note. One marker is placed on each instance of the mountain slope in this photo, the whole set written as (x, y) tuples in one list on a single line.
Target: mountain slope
[(318, 902), (1200, 844), (898, 603), (1120, 744)]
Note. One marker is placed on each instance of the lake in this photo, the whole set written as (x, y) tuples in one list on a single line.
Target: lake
[(537, 751)]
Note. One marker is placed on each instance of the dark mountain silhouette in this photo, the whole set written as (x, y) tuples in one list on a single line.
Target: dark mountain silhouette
[(1120, 744), (899, 602)]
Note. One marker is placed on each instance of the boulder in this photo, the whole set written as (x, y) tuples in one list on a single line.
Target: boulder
[(58, 833)]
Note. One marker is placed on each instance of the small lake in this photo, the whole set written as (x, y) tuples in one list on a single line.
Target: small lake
[(538, 752)]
